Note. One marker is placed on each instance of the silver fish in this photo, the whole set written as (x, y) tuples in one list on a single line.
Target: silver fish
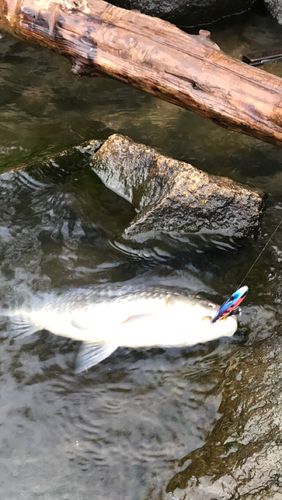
[(105, 319)]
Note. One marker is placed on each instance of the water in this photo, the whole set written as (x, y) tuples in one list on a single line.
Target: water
[(200, 422)]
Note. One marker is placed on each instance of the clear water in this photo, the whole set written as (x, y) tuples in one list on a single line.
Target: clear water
[(199, 423)]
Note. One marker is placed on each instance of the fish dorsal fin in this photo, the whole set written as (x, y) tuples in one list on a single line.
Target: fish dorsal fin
[(19, 326), (90, 354)]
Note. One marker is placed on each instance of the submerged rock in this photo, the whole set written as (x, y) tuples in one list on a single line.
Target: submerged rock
[(275, 9), (171, 195), (190, 12), (241, 455)]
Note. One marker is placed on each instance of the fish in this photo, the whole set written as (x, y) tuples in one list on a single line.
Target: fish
[(104, 319)]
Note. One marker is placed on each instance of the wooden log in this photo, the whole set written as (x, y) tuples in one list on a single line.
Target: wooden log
[(155, 56)]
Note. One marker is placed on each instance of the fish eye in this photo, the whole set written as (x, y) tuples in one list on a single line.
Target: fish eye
[(211, 305), (207, 318)]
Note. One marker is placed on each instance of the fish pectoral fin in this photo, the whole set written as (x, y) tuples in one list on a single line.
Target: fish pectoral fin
[(20, 326), (78, 326), (137, 317), (90, 354)]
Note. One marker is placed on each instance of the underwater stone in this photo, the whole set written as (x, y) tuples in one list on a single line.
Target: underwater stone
[(173, 196), (275, 9)]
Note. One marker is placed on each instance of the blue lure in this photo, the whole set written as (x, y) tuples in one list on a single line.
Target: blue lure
[(230, 304)]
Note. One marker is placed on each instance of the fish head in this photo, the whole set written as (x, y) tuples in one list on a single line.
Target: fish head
[(194, 315), (209, 330)]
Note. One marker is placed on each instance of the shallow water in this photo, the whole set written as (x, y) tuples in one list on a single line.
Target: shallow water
[(202, 422)]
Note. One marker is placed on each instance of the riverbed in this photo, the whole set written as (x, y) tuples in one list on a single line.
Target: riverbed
[(192, 423)]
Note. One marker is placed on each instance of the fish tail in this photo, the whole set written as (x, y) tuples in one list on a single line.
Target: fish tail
[(20, 326)]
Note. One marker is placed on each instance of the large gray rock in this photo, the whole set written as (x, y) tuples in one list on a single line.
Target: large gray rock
[(171, 195), (188, 12)]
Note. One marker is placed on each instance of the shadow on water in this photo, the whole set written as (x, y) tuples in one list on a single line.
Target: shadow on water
[(201, 422)]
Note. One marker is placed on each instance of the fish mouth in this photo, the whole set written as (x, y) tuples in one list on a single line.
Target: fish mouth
[(220, 320), (224, 327), (207, 318), (225, 318)]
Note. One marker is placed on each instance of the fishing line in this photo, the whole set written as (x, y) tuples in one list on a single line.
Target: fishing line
[(236, 298), (261, 252)]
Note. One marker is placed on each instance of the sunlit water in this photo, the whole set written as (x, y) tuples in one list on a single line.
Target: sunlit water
[(200, 423)]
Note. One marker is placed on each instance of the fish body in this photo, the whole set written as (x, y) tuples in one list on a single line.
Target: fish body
[(105, 320)]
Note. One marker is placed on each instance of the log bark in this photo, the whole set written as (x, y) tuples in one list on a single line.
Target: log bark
[(154, 56)]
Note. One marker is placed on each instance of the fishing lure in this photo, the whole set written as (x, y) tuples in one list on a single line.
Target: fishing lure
[(231, 304), (235, 300)]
